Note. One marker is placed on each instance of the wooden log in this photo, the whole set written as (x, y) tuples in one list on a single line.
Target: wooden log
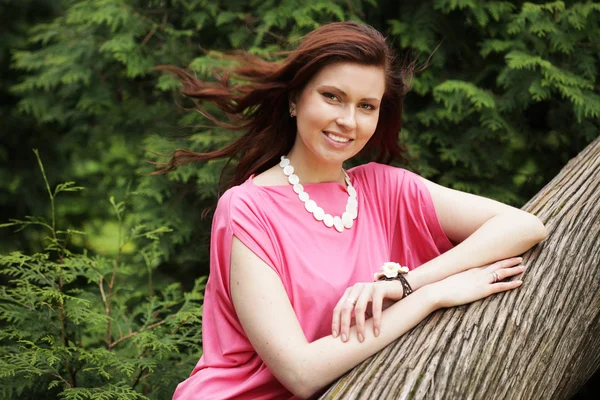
[(541, 341)]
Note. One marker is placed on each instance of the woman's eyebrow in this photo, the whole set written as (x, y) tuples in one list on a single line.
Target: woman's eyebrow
[(345, 95)]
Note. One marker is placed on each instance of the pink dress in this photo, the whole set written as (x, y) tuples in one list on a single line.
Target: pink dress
[(396, 222)]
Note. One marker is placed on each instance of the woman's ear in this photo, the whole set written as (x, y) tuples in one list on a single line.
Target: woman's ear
[(292, 99), (292, 104)]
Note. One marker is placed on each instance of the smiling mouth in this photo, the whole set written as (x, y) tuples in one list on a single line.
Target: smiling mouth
[(337, 138)]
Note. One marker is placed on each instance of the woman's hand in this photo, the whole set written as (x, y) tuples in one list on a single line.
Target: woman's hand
[(358, 298), (476, 283)]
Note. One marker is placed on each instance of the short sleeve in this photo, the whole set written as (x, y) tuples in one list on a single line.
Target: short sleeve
[(416, 199), (225, 343), (249, 225), (238, 212)]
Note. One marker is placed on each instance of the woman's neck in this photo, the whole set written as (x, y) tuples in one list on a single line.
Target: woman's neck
[(311, 170)]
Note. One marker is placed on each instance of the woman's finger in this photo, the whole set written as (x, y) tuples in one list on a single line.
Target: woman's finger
[(377, 306), (504, 273), (509, 262), (346, 312), (504, 286), (337, 313), (359, 312)]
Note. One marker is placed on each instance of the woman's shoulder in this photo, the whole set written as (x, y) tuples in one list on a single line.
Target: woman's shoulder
[(377, 167), (249, 203), (377, 171), (387, 180), (237, 199)]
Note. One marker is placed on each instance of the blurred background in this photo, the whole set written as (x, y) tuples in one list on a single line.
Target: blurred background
[(509, 96)]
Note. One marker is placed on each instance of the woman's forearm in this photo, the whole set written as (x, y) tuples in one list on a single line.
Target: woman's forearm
[(326, 359), (503, 236)]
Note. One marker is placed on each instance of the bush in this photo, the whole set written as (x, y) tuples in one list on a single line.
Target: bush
[(509, 96), (85, 326)]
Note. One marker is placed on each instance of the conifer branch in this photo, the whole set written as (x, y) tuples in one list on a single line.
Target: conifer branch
[(149, 21), (141, 372), (41, 165), (132, 334), (62, 317), (351, 9), (43, 303), (101, 286), (60, 378), (155, 11), (174, 331), (153, 30), (108, 300), (588, 44), (280, 38), (148, 36), (43, 277), (63, 334), (137, 378), (106, 310)]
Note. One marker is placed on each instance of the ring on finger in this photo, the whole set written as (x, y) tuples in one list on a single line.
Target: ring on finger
[(351, 301), (496, 277)]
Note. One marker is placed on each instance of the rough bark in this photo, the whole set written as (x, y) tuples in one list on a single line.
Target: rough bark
[(541, 341)]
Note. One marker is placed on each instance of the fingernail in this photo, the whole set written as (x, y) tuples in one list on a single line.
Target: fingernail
[(520, 259), (334, 333), (360, 337), (520, 282), (344, 337), (376, 332)]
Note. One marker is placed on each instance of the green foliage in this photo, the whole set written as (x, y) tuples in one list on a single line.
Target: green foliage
[(81, 326), (86, 76), (509, 96)]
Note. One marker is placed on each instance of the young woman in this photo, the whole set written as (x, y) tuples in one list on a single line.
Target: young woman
[(291, 301)]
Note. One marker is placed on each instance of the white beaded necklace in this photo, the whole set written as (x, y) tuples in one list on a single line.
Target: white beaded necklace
[(340, 223)]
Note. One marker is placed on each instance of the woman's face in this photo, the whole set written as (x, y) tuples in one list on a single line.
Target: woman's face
[(338, 110)]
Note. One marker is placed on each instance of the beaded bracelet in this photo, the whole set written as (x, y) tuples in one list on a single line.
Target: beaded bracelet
[(406, 289), (394, 271)]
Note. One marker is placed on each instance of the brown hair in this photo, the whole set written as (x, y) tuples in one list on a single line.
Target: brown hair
[(260, 105)]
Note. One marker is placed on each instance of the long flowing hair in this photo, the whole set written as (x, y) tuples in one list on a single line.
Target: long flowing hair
[(260, 105)]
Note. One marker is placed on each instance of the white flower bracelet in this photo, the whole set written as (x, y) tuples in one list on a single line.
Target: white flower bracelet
[(394, 271)]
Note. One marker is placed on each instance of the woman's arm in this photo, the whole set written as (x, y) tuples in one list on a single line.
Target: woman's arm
[(270, 323), (486, 230)]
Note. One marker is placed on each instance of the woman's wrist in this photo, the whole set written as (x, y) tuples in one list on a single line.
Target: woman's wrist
[(429, 292), (431, 295), (415, 279), (427, 297)]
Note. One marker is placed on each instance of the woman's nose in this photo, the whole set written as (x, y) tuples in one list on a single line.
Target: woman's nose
[(347, 119)]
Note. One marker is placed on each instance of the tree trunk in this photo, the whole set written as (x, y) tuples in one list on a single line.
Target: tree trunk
[(541, 341)]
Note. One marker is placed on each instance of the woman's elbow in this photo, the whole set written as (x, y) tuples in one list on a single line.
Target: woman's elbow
[(537, 229), (297, 381), (302, 393), (301, 389), (308, 382)]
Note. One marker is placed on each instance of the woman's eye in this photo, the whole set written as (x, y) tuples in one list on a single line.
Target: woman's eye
[(330, 96), (367, 106)]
